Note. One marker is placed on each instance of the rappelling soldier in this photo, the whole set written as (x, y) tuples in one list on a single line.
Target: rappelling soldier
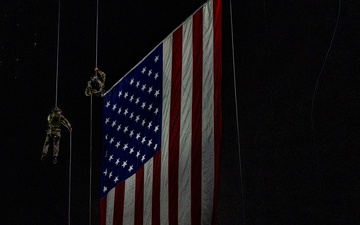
[(96, 84), (55, 119)]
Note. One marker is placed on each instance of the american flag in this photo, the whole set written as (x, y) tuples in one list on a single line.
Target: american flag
[(162, 130)]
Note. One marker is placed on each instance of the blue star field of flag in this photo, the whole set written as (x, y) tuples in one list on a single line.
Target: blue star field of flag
[(132, 121)]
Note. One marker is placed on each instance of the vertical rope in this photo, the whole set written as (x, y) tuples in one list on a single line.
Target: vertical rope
[(91, 108), (90, 174), (57, 56), (313, 103), (70, 154), (237, 114), (97, 33)]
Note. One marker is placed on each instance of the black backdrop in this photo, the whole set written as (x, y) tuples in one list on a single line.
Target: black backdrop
[(299, 147)]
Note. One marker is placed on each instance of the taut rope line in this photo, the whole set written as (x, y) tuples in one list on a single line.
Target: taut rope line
[(57, 56), (91, 109), (237, 114)]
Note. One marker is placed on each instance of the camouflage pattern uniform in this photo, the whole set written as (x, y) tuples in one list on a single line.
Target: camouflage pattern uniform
[(55, 119), (96, 84)]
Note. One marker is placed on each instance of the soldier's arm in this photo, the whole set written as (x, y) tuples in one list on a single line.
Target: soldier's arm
[(102, 76), (66, 123)]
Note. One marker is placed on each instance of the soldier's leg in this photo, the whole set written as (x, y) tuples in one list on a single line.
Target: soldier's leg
[(88, 91), (45, 147), (56, 143)]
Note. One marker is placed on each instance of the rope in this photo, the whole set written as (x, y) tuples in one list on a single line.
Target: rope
[(70, 153), (316, 86), (57, 56), (313, 101), (91, 107), (90, 173), (237, 114), (97, 33)]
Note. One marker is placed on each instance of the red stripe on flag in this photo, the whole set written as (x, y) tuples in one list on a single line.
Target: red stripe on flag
[(175, 126), (217, 6), (196, 118), (156, 188), (119, 204), (103, 211), (139, 197)]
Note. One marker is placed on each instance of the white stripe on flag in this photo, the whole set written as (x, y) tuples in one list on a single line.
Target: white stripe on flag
[(110, 207), (129, 201), (184, 200), (148, 182), (208, 117), (164, 191)]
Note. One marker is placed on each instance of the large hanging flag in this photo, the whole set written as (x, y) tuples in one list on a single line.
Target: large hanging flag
[(162, 130)]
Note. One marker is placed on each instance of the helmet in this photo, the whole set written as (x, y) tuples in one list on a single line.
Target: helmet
[(56, 109)]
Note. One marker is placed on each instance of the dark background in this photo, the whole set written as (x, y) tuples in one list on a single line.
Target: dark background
[(299, 145)]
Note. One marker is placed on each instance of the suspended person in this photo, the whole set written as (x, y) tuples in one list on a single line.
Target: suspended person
[(96, 84), (55, 119)]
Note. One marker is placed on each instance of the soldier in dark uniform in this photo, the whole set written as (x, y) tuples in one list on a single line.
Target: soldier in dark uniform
[(96, 84), (55, 119)]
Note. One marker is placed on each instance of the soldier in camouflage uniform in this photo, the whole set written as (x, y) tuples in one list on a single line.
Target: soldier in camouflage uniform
[(55, 119), (96, 84)]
